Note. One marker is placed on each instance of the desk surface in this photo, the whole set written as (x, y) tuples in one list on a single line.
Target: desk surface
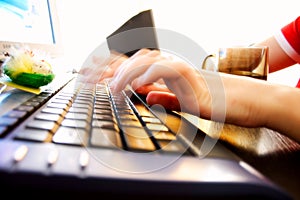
[(273, 154)]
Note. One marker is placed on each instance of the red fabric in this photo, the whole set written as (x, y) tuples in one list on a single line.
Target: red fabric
[(291, 33), (298, 84)]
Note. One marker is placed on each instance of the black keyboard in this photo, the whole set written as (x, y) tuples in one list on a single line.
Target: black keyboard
[(82, 140), (83, 114)]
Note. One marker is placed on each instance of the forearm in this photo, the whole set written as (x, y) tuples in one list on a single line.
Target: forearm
[(262, 104), (278, 59), (284, 111)]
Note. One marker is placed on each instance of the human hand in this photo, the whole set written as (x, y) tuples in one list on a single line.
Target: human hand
[(145, 68), (220, 97), (97, 68), (157, 92), (206, 94)]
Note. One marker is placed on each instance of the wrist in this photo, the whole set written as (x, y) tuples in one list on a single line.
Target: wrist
[(246, 100)]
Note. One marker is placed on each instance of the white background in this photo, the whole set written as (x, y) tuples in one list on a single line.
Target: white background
[(211, 23)]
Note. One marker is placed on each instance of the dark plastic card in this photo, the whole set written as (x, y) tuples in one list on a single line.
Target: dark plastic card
[(137, 33)]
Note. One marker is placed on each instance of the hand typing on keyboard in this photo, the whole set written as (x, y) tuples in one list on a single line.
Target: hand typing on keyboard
[(211, 95), (99, 68)]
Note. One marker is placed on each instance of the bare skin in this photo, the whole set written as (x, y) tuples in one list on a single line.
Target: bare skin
[(178, 86), (278, 59)]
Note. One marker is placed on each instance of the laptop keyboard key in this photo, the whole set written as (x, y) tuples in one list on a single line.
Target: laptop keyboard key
[(49, 117), (138, 139), (44, 125), (72, 136), (172, 146), (33, 135), (106, 138)]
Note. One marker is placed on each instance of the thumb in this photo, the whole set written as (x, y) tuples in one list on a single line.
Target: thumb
[(168, 100)]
